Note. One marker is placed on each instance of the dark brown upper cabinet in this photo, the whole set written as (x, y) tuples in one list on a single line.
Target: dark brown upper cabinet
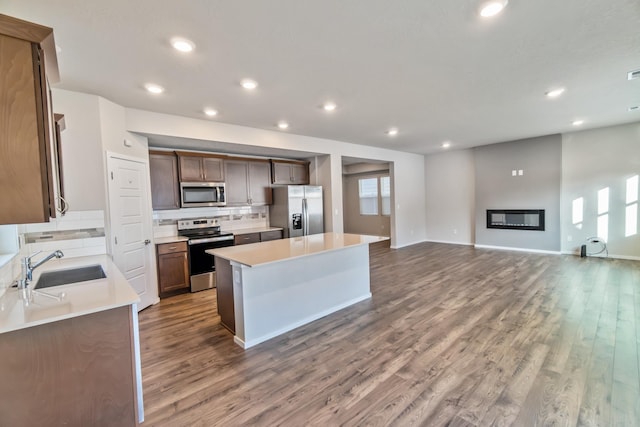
[(200, 167), (28, 64), (248, 182), (163, 170), (289, 172)]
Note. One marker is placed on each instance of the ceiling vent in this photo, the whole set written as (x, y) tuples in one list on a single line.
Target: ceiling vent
[(634, 108), (632, 75)]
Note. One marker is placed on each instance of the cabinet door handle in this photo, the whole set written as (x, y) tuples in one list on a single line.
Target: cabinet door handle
[(147, 241), (172, 248), (64, 206)]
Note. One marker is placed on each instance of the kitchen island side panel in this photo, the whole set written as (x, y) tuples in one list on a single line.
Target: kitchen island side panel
[(274, 298)]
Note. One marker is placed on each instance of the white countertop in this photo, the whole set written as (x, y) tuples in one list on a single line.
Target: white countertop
[(169, 239), (279, 250), (254, 230), (79, 298)]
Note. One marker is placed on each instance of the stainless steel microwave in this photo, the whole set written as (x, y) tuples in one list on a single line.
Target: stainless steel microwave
[(197, 194)]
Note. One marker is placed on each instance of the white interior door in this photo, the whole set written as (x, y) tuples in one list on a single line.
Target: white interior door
[(130, 222)]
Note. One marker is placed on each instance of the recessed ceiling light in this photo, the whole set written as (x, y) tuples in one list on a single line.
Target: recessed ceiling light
[(210, 112), (446, 144), (183, 45), (577, 122), (329, 106), (283, 125), (555, 92), (492, 8), (392, 131), (154, 88), (249, 84)]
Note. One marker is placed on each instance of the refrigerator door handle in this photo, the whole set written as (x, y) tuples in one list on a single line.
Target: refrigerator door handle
[(305, 218)]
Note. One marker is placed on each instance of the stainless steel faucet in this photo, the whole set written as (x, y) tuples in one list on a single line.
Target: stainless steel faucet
[(28, 267)]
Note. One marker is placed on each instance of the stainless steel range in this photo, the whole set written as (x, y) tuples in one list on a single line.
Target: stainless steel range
[(203, 234)]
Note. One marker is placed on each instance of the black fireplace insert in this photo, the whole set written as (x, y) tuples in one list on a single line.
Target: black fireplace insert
[(516, 219)]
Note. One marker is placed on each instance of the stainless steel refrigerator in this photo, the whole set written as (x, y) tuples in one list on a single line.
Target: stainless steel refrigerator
[(297, 209)]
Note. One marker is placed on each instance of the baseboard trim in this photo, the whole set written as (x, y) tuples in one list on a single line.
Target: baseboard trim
[(614, 256), (508, 248), (407, 244), (449, 242)]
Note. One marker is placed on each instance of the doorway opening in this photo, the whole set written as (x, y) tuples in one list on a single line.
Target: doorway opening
[(367, 192)]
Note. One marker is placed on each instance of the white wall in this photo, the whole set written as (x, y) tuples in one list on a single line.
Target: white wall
[(82, 162), (592, 160), (115, 138), (449, 185), (408, 225)]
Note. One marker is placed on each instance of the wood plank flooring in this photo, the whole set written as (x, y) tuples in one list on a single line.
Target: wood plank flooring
[(452, 336)]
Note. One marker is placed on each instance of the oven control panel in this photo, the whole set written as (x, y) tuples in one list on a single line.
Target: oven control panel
[(190, 224)]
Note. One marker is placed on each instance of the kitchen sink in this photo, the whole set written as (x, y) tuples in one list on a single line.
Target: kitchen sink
[(70, 275)]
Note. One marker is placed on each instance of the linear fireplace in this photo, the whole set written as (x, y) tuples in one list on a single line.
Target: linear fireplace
[(516, 219)]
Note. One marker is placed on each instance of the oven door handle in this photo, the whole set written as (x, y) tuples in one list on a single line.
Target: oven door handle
[(210, 240)]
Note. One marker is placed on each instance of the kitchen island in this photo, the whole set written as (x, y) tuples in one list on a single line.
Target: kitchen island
[(266, 289)]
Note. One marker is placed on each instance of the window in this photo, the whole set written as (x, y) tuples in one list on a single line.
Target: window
[(631, 210), (368, 191), (375, 193), (603, 214), (385, 194), (577, 212)]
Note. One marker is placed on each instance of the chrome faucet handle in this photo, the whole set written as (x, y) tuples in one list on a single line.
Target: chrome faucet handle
[(28, 257), (27, 267)]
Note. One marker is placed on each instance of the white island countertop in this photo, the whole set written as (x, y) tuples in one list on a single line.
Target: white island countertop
[(272, 251), (79, 298)]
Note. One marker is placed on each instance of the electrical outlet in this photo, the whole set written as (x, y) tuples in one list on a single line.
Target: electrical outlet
[(569, 238)]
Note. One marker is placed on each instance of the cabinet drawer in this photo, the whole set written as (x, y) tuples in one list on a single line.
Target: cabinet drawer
[(169, 248), (243, 239), (265, 236)]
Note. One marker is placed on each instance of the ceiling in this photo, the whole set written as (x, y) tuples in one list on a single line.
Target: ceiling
[(433, 69)]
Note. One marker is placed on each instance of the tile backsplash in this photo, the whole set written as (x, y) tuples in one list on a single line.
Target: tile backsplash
[(81, 233), (78, 233), (229, 219)]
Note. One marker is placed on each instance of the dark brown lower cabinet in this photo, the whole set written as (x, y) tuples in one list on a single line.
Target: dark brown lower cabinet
[(73, 372), (173, 268), (224, 285), (265, 236), (244, 239)]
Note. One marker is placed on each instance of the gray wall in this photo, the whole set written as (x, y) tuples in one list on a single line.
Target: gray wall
[(450, 182), (538, 188)]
